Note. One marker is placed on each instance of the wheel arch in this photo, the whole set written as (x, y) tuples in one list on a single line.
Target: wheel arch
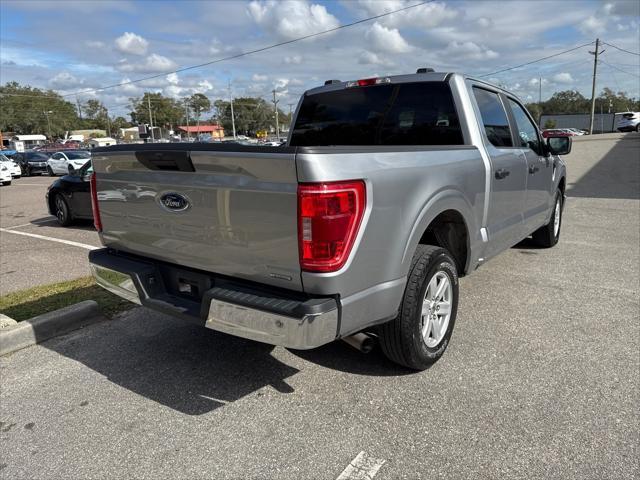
[(446, 221)]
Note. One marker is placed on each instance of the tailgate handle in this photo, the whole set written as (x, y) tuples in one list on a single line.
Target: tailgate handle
[(172, 160)]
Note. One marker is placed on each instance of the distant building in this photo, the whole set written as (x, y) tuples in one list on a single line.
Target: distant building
[(89, 133), (102, 142), (216, 131)]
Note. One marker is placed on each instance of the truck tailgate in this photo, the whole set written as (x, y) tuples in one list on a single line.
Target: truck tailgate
[(205, 207)]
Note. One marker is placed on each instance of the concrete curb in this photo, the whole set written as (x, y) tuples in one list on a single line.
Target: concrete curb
[(49, 325)]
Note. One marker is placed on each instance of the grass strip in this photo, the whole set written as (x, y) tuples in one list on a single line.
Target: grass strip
[(28, 303)]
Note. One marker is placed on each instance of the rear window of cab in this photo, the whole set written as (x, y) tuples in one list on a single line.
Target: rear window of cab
[(419, 113)]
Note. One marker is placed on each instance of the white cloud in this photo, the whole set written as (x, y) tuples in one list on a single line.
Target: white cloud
[(95, 44), (424, 16), (536, 80), (563, 77), (259, 78), (204, 86), (154, 63), (469, 51), (386, 39), (485, 22), (293, 60), (173, 79), (370, 58), (64, 81), (290, 19), (593, 24), (132, 44)]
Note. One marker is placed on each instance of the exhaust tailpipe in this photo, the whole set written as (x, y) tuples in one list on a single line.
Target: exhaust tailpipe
[(361, 341)]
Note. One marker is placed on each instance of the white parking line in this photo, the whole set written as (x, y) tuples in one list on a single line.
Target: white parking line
[(51, 239), (363, 467)]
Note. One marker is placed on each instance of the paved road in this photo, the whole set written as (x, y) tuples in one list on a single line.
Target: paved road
[(541, 379), (26, 261)]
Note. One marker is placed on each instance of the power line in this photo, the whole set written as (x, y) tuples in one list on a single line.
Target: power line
[(536, 61), (622, 49), (620, 70), (257, 50)]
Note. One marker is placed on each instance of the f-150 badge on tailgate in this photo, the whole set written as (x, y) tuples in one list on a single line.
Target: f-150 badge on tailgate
[(174, 202)]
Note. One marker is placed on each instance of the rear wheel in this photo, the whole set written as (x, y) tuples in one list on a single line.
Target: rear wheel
[(548, 235), (50, 171), (420, 334), (63, 213)]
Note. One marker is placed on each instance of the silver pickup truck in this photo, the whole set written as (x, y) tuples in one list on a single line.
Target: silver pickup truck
[(387, 191)]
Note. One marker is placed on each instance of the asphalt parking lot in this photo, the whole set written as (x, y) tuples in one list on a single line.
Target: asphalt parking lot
[(27, 261), (541, 379)]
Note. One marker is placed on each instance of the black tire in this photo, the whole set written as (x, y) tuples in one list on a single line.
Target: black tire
[(401, 339), (50, 171), (62, 210), (26, 172), (7, 183), (546, 236), (638, 128)]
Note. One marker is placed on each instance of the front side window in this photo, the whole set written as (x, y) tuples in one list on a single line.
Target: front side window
[(405, 114), (494, 117), (527, 132)]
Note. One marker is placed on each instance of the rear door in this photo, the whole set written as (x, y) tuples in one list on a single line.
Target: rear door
[(539, 167), (508, 172), (227, 210)]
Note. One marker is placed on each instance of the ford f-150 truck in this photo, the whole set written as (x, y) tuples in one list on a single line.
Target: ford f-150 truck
[(386, 192)]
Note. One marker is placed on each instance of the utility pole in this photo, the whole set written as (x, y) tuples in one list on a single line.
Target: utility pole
[(79, 109), (593, 85), (150, 118), (233, 120), (275, 106), (186, 114), (106, 112), (46, 114)]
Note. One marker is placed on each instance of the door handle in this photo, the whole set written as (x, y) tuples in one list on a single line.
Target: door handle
[(502, 173), (533, 169)]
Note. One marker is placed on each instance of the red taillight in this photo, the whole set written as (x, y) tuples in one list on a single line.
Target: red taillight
[(366, 81), (94, 203), (329, 215)]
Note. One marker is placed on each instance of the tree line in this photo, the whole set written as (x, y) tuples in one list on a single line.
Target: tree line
[(29, 110), (26, 110), (572, 101)]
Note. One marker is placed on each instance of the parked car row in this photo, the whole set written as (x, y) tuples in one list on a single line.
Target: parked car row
[(33, 162), (563, 132)]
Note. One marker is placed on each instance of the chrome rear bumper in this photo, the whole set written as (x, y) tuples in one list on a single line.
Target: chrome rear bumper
[(275, 316)]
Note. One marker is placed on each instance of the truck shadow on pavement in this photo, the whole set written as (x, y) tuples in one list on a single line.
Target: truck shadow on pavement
[(185, 367), (616, 175)]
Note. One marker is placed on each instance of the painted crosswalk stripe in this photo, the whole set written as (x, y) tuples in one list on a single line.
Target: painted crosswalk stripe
[(363, 467)]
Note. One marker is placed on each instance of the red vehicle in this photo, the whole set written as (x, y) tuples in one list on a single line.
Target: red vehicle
[(556, 132), (56, 147)]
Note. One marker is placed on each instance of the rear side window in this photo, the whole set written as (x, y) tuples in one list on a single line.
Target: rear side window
[(494, 118), (405, 114)]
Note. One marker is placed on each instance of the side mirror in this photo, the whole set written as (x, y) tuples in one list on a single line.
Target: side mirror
[(559, 145)]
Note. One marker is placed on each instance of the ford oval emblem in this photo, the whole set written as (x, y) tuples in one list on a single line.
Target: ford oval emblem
[(174, 202)]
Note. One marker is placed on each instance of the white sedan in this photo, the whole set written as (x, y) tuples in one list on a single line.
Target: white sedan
[(62, 163), (5, 175), (13, 167)]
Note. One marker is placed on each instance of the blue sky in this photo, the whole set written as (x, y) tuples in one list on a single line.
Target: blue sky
[(76, 46)]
